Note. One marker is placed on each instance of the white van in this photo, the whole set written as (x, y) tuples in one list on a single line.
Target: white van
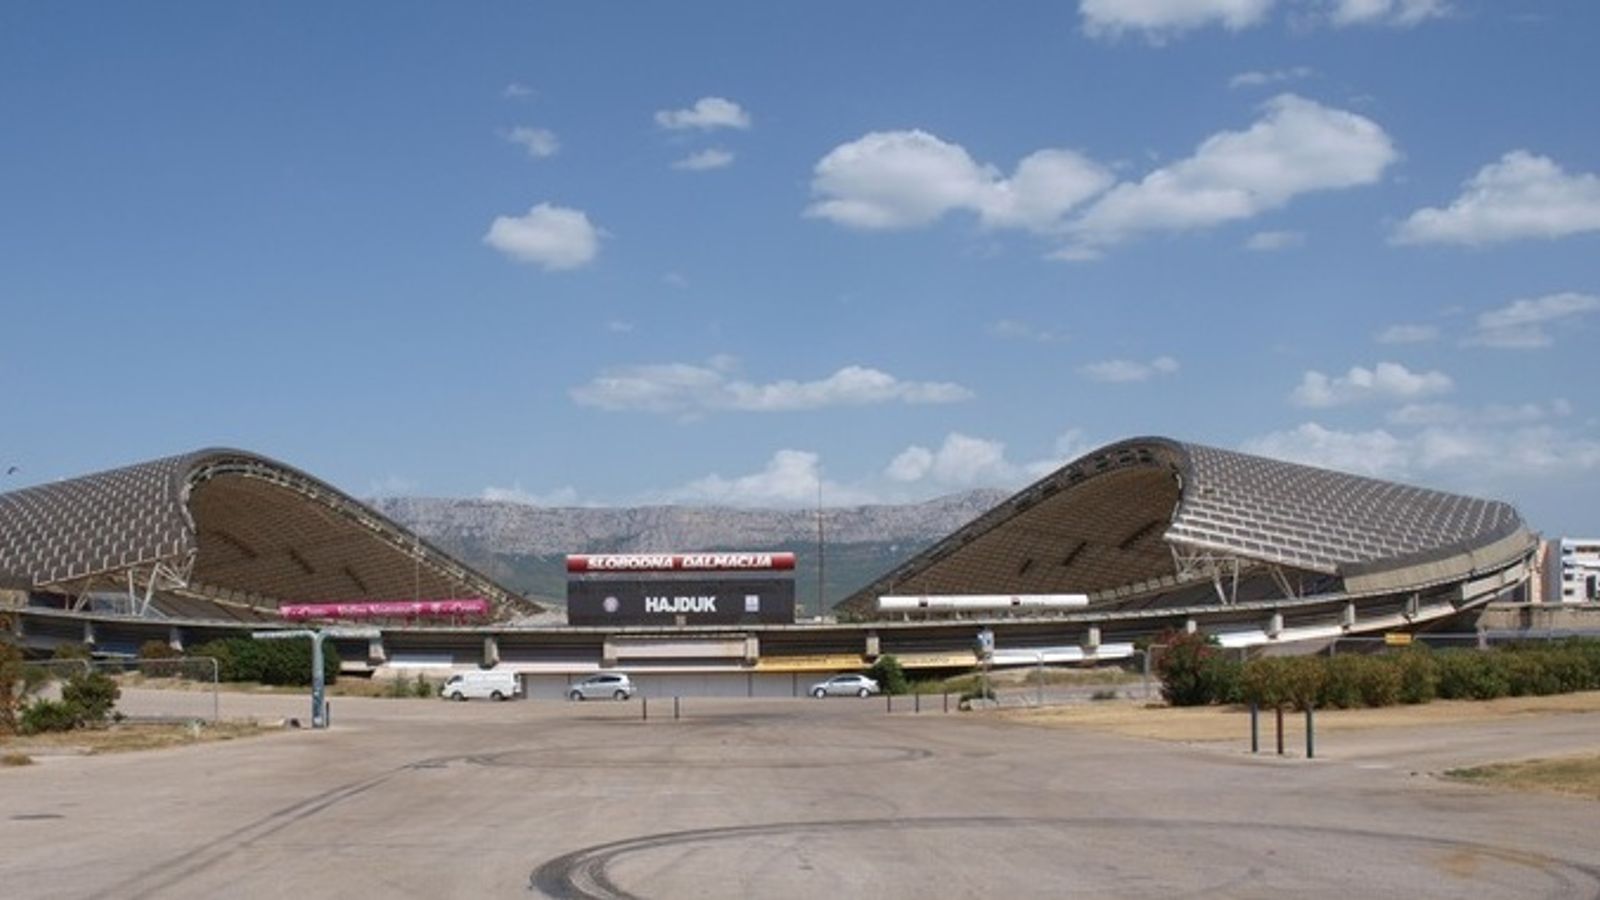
[(481, 685)]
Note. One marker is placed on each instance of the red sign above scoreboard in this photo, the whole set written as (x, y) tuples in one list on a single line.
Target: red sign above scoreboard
[(593, 563)]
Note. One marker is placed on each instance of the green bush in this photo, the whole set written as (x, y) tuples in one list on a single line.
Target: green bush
[(1341, 684), (1194, 671), (1295, 681), (50, 715), (423, 687), (1471, 675), (92, 696), (155, 659), (1419, 675), (889, 676), (283, 662), (1379, 681), (71, 651)]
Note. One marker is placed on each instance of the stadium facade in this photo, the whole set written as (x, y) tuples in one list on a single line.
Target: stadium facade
[(1158, 533)]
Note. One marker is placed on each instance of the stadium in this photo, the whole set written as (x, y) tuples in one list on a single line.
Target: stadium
[(1152, 533)]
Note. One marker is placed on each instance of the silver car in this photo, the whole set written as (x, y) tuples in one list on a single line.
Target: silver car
[(602, 686), (845, 686)]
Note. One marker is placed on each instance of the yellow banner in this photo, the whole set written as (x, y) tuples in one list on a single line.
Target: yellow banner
[(1397, 639), (824, 662), (937, 660)]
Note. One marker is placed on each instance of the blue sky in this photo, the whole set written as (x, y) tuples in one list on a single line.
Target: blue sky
[(619, 254)]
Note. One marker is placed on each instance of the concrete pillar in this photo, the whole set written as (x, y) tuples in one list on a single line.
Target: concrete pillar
[(1349, 619), (376, 655), (1275, 625), (1413, 606), (873, 647), (1091, 639), (752, 650), (608, 654), (1190, 626), (88, 633), (491, 651), (175, 638)]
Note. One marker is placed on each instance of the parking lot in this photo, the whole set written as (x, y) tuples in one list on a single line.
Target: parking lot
[(786, 798)]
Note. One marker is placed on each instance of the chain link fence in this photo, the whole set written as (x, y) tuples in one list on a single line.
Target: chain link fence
[(179, 689)]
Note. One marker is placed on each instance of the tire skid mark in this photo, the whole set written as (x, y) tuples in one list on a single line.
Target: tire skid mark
[(168, 873), (584, 874)]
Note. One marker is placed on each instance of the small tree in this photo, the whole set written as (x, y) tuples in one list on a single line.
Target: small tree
[(155, 659), (1193, 670), (888, 674), (92, 697), (13, 686)]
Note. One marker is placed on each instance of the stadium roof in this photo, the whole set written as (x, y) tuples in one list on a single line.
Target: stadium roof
[(225, 525), (1152, 514)]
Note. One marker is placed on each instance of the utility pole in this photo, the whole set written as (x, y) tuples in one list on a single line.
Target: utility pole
[(821, 550)]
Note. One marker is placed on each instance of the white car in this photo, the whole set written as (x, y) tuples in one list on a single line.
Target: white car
[(606, 684), (845, 686), (481, 686)]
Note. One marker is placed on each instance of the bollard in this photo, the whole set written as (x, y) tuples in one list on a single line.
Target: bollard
[(674, 709), (947, 701), (327, 714), (888, 703), (1279, 711), (644, 709), (1311, 728), (916, 703), (1255, 728)]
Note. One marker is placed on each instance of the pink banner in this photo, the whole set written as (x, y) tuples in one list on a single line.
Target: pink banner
[(378, 609)]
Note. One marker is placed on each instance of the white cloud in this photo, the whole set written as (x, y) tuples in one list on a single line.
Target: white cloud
[(1522, 324), (1471, 452), (961, 461), (675, 279), (619, 326), (563, 496), (517, 91), (707, 113), (1398, 13), (1275, 76), (552, 237), (1374, 453), (1158, 20), (908, 179), (1013, 330), (1267, 241), (689, 390), (1297, 147), (713, 158), (1520, 196), (1385, 381), (1122, 370), (1420, 414), (964, 461), (790, 478), (1407, 334), (539, 142)]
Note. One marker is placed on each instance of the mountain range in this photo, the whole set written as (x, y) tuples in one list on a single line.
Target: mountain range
[(524, 547)]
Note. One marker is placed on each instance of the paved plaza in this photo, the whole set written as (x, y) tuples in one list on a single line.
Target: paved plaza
[(794, 798)]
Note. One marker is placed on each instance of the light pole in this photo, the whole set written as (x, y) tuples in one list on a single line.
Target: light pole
[(821, 551)]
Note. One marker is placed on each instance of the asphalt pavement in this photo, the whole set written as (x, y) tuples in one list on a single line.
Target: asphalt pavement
[(787, 798)]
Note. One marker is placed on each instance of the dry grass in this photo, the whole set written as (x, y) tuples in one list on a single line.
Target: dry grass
[(1577, 776), (1214, 723), (15, 759), (127, 737)]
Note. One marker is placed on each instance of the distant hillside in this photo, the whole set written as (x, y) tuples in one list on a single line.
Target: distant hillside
[(524, 546)]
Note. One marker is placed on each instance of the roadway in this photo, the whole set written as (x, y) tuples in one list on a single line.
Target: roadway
[(783, 798)]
